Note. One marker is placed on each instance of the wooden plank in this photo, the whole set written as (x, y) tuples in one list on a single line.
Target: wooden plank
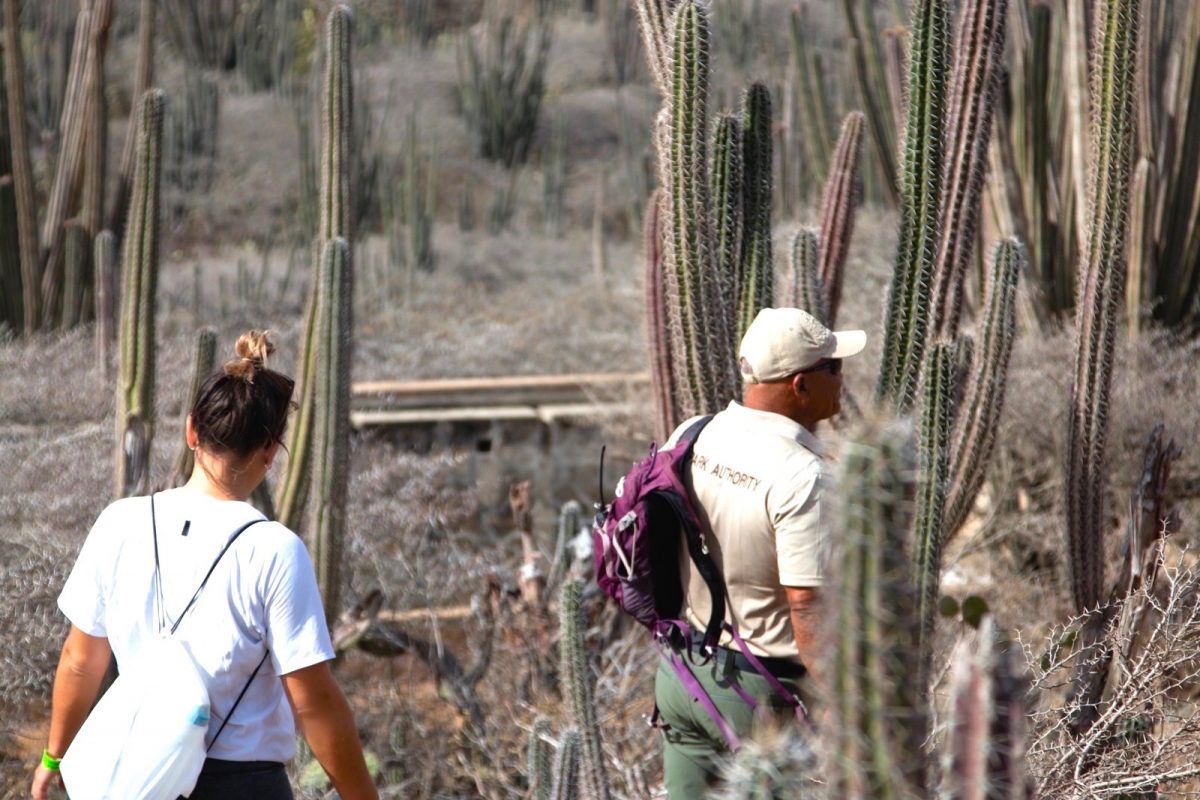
[(547, 414), (521, 382), (477, 392)]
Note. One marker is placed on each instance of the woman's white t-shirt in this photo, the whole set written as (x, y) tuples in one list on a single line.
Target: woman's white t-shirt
[(262, 595)]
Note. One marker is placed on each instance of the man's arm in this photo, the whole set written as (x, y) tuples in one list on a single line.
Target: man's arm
[(324, 718), (803, 609)]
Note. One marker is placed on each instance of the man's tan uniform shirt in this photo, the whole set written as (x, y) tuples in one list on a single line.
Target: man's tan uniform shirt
[(757, 477)]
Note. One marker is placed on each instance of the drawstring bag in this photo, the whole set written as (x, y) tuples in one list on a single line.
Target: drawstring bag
[(145, 739)]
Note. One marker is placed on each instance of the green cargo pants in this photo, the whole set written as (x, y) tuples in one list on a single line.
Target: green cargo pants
[(693, 744)]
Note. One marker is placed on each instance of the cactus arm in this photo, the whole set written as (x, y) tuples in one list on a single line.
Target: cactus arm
[(983, 395), (135, 386), (573, 624), (658, 331), (1102, 276), (143, 77), (937, 399), (908, 300), (331, 428), (566, 768), (654, 19), (757, 273), (804, 289), (728, 201), (204, 359), (974, 83), (839, 204), (334, 221), (539, 770), (23, 182), (873, 87)]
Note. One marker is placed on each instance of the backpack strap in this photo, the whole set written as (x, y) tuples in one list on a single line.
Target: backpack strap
[(238, 701), (697, 549)]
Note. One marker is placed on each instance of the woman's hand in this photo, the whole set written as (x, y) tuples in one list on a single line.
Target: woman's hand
[(43, 778)]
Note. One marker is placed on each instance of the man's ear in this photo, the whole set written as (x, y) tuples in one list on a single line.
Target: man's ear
[(799, 387)]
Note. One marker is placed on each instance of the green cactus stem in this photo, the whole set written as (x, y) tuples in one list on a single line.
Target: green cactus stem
[(757, 284), (1102, 278), (974, 83), (22, 169), (331, 429), (204, 359), (334, 220), (839, 205), (143, 77), (873, 87), (937, 399), (77, 259), (908, 298), (135, 385), (577, 675), (705, 373), (566, 768), (539, 770), (105, 259), (982, 399), (881, 724), (804, 289), (728, 201), (654, 19)]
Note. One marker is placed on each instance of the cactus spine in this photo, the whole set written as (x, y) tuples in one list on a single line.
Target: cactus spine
[(566, 768), (983, 395), (877, 740), (572, 625), (839, 203), (908, 299), (974, 82), (204, 358), (331, 434), (984, 755), (135, 386), (937, 399), (334, 221), (1102, 276), (804, 283), (22, 168)]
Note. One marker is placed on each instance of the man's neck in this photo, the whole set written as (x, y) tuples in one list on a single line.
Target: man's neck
[(800, 418)]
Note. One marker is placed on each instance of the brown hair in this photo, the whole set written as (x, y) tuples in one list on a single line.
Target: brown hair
[(244, 406)]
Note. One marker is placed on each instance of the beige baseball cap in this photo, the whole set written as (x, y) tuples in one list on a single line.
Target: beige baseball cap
[(782, 341)]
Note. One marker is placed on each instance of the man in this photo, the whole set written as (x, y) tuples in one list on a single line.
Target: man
[(756, 479)]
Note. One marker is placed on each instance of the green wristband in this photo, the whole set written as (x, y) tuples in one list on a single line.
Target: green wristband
[(50, 762)]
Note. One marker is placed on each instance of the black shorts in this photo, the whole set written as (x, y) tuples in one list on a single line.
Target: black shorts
[(242, 780)]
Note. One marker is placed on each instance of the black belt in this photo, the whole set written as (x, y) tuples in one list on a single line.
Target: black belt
[(784, 668)]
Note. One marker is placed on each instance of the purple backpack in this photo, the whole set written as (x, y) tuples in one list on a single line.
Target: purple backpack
[(636, 541)]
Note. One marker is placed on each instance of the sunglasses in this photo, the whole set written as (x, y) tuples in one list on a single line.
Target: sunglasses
[(834, 365)]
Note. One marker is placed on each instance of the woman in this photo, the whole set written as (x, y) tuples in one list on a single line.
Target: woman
[(260, 611)]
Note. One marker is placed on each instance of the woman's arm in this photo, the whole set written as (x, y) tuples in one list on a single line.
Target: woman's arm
[(324, 718), (81, 668)]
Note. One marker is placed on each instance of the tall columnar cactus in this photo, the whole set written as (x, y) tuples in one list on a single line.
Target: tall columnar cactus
[(757, 274), (982, 399), (876, 741), (204, 359), (334, 220), (728, 200), (22, 169), (873, 86), (920, 181), (815, 117), (974, 84), (331, 429), (538, 769), (839, 203), (105, 260), (654, 19), (11, 312), (1101, 282), (572, 625), (135, 386), (804, 289), (658, 331), (937, 409), (143, 77), (984, 754), (705, 373), (565, 779)]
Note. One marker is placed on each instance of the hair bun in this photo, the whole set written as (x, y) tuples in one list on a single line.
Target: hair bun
[(253, 348)]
